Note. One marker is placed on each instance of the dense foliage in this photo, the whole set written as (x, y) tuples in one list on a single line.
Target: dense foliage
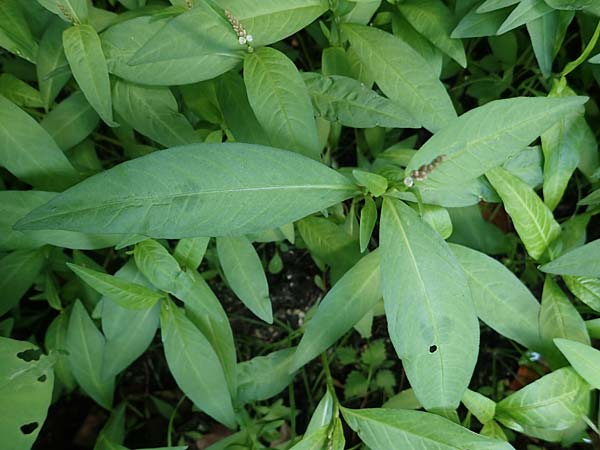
[(307, 224)]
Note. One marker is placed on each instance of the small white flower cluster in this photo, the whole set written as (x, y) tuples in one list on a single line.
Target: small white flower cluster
[(421, 173), (66, 13), (243, 37)]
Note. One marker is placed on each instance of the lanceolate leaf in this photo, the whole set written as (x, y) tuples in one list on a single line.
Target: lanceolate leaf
[(15, 34), (153, 112), (583, 261), (531, 217), (195, 365), (280, 101), (584, 359), (353, 296), (269, 21), (51, 57), (18, 271), (245, 274), (586, 289), (434, 20), (29, 153), (84, 53), (526, 11), (349, 102), (383, 429), (429, 308), (502, 301), (200, 190), (556, 401), (86, 347), (126, 294), (486, 137), (265, 376), (211, 49), (190, 252), (403, 75)]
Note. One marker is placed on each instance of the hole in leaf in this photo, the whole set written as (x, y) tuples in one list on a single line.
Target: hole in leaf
[(29, 428), (42, 378), (30, 355), (433, 349)]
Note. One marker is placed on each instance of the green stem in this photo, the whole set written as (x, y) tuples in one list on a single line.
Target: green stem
[(171, 420), (570, 67)]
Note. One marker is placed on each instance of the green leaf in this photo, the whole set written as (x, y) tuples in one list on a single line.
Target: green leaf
[(69, 10), (157, 265), (479, 24), (368, 219), (375, 184), (205, 311), (486, 137), (531, 217), (86, 346), (264, 376), (29, 153), (19, 92), (403, 75), (126, 294), (25, 393), (559, 318), (438, 218), (314, 441), (382, 429), (555, 402), (434, 20), (493, 5), (128, 332), (265, 188), (71, 121), (592, 199), (583, 261), (502, 301), (51, 57), (15, 34), (547, 34), (190, 252), (472, 230), (245, 274), (349, 102), (18, 271), (480, 406), (355, 294), (210, 49), (280, 100), (17, 204), (494, 431), (88, 64), (584, 359), (526, 11), (322, 415), (569, 4), (55, 341), (269, 21), (428, 304), (153, 112), (195, 365), (585, 289)]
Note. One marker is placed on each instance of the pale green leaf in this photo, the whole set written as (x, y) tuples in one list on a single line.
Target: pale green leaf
[(526, 11), (502, 301), (532, 219), (322, 415), (368, 219), (69, 10), (486, 137), (15, 34), (190, 252), (547, 33), (583, 261), (18, 271), (156, 264), (51, 57), (71, 121), (29, 153), (584, 359), (586, 289), (263, 377), (480, 406), (434, 20), (479, 24), (88, 64), (269, 21), (314, 441), (86, 346), (375, 184), (355, 294), (19, 92), (25, 393), (195, 365), (429, 308), (384, 429), (555, 402), (405, 31), (55, 340), (126, 294), (351, 103), (493, 5), (280, 100), (472, 230), (245, 274), (200, 190), (153, 112), (403, 75)]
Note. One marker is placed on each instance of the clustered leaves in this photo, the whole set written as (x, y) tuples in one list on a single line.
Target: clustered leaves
[(427, 165)]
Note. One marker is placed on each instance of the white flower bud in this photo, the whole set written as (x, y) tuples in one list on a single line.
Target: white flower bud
[(249, 38), (242, 40), (409, 182)]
